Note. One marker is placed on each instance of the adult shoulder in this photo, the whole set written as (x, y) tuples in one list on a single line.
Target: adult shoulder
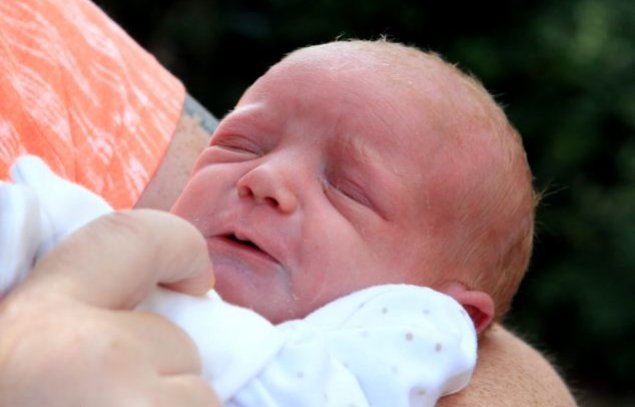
[(511, 373)]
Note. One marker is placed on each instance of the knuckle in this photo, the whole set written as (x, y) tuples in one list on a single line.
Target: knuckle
[(127, 223), (153, 229)]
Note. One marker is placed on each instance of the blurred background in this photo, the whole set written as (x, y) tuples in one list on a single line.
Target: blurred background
[(565, 72)]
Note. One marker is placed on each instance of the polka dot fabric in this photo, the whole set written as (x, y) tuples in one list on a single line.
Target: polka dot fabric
[(389, 345)]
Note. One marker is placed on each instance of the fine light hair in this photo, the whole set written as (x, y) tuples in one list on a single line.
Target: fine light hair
[(497, 216), (494, 206)]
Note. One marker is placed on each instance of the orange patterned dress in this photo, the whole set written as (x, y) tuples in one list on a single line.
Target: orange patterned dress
[(78, 92)]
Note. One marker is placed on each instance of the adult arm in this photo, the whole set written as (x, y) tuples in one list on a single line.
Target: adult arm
[(66, 337), (78, 92), (192, 134), (511, 373)]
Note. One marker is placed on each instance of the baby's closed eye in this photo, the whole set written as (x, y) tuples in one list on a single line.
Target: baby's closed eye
[(352, 191), (237, 143)]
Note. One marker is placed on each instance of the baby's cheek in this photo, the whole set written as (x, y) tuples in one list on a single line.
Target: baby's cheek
[(187, 202)]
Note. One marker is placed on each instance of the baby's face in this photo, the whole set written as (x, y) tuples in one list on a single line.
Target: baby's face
[(320, 182)]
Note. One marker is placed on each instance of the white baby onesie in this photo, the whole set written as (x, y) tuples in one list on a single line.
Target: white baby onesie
[(388, 345)]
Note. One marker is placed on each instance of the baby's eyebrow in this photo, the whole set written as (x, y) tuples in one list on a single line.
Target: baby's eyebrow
[(257, 109), (372, 171), (248, 117), (367, 156), (352, 147)]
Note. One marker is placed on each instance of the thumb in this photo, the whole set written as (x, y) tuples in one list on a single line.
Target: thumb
[(114, 261)]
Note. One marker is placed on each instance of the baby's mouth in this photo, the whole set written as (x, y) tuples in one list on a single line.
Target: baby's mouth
[(242, 243), (247, 243)]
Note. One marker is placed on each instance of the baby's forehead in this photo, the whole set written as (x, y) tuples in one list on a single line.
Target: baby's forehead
[(420, 77), (415, 96), (388, 59)]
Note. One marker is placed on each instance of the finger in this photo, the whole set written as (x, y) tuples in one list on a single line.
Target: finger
[(186, 390), (167, 347), (114, 261)]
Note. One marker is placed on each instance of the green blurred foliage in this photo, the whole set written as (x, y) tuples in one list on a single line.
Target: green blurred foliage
[(565, 72)]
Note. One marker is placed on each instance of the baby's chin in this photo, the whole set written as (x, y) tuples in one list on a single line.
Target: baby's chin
[(273, 301), (273, 308)]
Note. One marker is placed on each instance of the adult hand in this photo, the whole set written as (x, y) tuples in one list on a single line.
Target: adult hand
[(67, 337)]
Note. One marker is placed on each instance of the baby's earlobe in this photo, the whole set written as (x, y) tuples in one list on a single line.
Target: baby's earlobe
[(478, 304), (480, 319)]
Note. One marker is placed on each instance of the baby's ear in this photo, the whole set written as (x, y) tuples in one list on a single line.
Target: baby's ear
[(478, 304)]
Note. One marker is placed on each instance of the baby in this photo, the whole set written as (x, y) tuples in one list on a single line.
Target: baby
[(346, 166), (359, 163)]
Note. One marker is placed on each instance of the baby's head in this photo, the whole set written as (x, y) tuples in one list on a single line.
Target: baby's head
[(358, 163)]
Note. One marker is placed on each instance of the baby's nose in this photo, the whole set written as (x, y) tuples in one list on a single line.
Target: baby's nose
[(265, 186)]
